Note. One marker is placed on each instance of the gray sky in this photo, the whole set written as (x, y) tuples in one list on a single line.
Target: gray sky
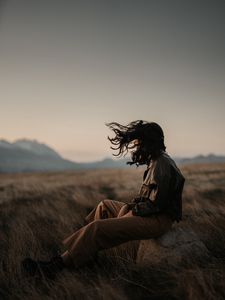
[(68, 67)]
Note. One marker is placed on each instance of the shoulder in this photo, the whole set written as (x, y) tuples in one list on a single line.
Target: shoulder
[(161, 166), (166, 161), (164, 165)]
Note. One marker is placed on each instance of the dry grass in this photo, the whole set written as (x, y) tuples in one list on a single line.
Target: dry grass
[(37, 211)]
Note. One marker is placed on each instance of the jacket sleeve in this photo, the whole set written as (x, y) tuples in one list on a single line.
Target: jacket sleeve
[(160, 186), (159, 189)]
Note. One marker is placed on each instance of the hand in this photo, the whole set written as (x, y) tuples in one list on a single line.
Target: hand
[(144, 209), (136, 200), (131, 205), (139, 208)]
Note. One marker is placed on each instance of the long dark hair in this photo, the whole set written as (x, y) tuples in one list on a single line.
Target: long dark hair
[(149, 136)]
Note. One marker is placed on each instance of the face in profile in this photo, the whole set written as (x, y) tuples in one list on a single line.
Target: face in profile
[(139, 154)]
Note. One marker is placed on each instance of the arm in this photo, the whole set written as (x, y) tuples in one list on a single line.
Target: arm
[(159, 186)]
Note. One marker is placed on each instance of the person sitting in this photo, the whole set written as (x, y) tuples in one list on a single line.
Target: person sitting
[(111, 223)]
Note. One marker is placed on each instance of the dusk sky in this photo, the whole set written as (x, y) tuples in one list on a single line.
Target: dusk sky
[(69, 67)]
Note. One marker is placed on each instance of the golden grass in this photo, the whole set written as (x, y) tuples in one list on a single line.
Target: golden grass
[(37, 211)]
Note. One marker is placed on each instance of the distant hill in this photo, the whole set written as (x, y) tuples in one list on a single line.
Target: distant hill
[(211, 158), (29, 156), (36, 147), (25, 156)]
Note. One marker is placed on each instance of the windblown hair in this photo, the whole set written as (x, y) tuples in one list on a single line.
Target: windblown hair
[(149, 136)]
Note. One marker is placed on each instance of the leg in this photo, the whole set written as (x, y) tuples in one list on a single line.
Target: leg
[(124, 210), (105, 209), (106, 233), (100, 234)]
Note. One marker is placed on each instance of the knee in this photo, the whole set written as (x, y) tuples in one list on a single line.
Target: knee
[(105, 202), (101, 203)]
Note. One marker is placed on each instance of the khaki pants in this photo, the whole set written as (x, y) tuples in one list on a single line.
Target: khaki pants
[(110, 224)]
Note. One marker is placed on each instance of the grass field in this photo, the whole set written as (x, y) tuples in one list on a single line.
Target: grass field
[(37, 211)]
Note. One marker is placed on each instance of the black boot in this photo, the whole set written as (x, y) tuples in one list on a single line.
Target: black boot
[(47, 269)]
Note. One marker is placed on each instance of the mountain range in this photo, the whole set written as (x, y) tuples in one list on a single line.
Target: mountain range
[(26, 155)]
